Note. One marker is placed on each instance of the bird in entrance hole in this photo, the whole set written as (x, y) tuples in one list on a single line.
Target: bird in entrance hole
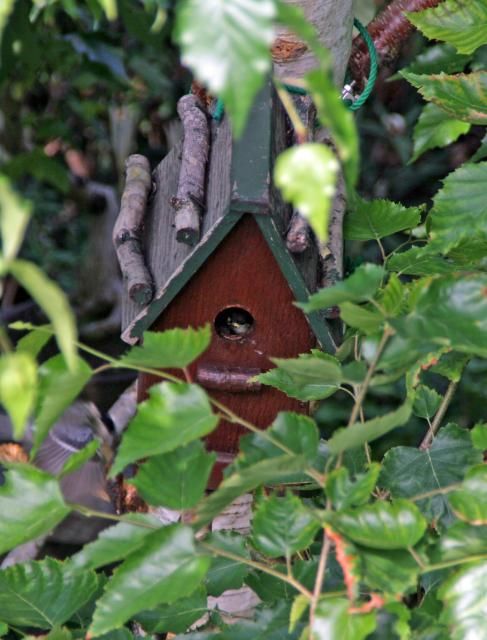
[(234, 323), (80, 424)]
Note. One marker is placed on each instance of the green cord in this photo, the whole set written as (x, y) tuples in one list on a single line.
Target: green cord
[(352, 105)]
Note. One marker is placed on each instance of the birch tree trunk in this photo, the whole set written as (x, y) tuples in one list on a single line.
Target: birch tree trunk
[(292, 59)]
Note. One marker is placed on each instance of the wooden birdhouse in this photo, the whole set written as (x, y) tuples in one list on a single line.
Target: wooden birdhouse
[(232, 269)]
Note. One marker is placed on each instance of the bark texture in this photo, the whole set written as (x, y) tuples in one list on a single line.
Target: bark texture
[(190, 198), (127, 233), (389, 30)]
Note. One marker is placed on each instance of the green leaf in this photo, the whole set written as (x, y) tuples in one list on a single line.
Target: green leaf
[(393, 572), (362, 318), (176, 479), (311, 376), (451, 365), (245, 480), (440, 57), (361, 286), (116, 543), (226, 44), (3, 629), (31, 504), (297, 434), (298, 608), (382, 525), (333, 620), (462, 25), (463, 541), (43, 594), (393, 296), (37, 164), (462, 96), (450, 312), (460, 210), (345, 492), (338, 119), (175, 348), (435, 128), (359, 433), (420, 262), (53, 302), (408, 472), (375, 219), (224, 573), (307, 175), (273, 539), (165, 569), (80, 458), (54, 375), (176, 617), (426, 401), (479, 436), (110, 8), (14, 210), (18, 389), (465, 601), (33, 342), (174, 415), (469, 503)]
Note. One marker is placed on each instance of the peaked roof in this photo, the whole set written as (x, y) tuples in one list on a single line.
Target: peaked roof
[(238, 182)]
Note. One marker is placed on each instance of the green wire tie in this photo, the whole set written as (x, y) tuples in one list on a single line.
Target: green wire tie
[(353, 105)]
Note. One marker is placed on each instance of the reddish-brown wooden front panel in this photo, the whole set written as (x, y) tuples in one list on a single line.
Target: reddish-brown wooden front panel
[(241, 272)]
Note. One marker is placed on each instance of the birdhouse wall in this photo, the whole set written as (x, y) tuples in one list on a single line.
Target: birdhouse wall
[(241, 273)]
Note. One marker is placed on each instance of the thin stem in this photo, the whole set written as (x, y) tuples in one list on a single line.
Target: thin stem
[(320, 574), (435, 492), (416, 557), (5, 344), (288, 104), (93, 513), (388, 332), (102, 367), (453, 563), (440, 414), (258, 565)]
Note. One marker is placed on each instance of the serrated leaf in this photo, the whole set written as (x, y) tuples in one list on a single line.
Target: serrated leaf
[(14, 210), (382, 525), (225, 573), (451, 312), (333, 620), (393, 572), (361, 432), (176, 617), (459, 210), (346, 492), (307, 175), (451, 365), (361, 286), (465, 601), (176, 479), (408, 472), (338, 119), (298, 608), (226, 44), (426, 401), (435, 128), (53, 302), (469, 503), (420, 262), (479, 436), (393, 296), (462, 25), (164, 570), (273, 539), (245, 480), (359, 317), (438, 58), (43, 594), (174, 415), (54, 374), (115, 543), (18, 389), (462, 96), (311, 376), (375, 219), (31, 504), (174, 348)]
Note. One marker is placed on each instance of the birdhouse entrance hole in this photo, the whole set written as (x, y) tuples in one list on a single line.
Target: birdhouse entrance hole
[(234, 323)]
